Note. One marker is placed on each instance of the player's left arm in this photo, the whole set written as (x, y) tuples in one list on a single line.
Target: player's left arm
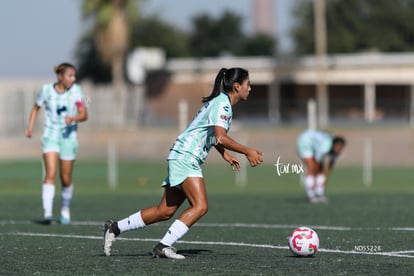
[(330, 164), (81, 116)]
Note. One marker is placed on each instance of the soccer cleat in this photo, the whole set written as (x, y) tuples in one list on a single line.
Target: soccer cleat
[(318, 199), (47, 220), (65, 216), (322, 199), (313, 200), (164, 251), (109, 236), (64, 220)]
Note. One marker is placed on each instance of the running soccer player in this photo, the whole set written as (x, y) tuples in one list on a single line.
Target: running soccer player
[(63, 110), (318, 151), (185, 179)]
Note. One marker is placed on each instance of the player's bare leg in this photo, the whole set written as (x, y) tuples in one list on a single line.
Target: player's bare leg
[(50, 160), (195, 192), (171, 200)]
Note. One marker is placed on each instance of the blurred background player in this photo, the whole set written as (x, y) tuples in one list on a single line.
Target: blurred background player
[(185, 179), (63, 110), (318, 151)]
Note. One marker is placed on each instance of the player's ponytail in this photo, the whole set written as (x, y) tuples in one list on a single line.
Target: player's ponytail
[(217, 85), (225, 79)]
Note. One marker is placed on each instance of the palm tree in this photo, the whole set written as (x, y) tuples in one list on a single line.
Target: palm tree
[(112, 19)]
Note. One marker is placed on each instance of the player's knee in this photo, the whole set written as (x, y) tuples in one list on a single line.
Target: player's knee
[(66, 179), (201, 209), (49, 178), (166, 214)]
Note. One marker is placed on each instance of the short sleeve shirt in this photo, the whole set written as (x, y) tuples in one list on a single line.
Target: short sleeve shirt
[(197, 139), (57, 107)]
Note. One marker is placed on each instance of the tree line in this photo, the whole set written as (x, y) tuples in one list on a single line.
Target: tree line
[(352, 26)]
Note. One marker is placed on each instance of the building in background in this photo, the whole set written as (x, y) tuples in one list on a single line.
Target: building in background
[(264, 16)]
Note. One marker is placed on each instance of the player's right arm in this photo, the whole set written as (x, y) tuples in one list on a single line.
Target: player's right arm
[(32, 119), (234, 162)]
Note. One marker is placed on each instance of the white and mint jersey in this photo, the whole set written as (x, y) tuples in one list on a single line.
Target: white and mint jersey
[(197, 139), (314, 143), (57, 107)]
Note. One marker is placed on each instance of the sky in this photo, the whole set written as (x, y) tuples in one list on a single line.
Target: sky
[(37, 35)]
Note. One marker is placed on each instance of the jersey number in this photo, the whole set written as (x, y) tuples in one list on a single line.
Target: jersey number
[(61, 109)]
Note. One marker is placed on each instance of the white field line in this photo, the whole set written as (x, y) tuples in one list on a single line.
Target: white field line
[(388, 254), (402, 228), (403, 252), (236, 225)]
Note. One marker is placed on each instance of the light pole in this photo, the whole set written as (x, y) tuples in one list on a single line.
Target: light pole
[(321, 62)]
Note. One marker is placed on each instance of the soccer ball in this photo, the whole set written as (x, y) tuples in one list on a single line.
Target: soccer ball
[(303, 241)]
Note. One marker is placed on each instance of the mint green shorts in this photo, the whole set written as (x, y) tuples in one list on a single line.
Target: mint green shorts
[(180, 169), (66, 148), (305, 147)]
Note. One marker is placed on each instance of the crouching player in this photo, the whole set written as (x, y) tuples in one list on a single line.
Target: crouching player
[(318, 151)]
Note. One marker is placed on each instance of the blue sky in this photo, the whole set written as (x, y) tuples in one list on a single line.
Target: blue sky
[(38, 34)]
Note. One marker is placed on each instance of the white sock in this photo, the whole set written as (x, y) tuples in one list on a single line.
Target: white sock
[(132, 222), (320, 185), (67, 193), (176, 231), (48, 194), (310, 185)]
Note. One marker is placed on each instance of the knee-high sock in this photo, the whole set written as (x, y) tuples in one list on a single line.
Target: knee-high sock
[(132, 222), (67, 193), (48, 194), (176, 231), (320, 185), (310, 185)]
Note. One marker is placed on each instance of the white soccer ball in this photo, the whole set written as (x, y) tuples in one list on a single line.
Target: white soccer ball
[(303, 241)]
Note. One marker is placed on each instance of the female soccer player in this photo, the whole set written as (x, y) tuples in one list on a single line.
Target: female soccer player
[(185, 179), (316, 148), (63, 110)]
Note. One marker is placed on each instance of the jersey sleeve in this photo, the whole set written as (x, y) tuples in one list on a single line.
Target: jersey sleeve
[(221, 116), (79, 93), (41, 98), (78, 96)]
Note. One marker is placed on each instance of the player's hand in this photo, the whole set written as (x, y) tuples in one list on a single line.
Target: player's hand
[(235, 165), (234, 162), (28, 133), (255, 157), (68, 120)]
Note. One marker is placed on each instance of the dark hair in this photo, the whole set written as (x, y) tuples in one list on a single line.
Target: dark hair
[(61, 68), (225, 79), (339, 139)]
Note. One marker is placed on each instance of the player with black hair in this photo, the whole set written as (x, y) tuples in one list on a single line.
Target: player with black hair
[(318, 151), (185, 179)]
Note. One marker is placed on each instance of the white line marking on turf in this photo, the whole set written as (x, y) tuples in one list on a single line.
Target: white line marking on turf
[(388, 254), (403, 228), (237, 225), (402, 252), (282, 226)]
